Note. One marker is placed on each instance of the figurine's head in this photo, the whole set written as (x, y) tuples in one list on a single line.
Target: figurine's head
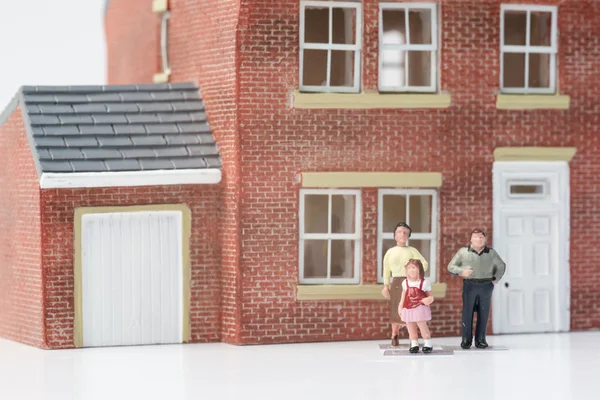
[(477, 238), (401, 233), (414, 269)]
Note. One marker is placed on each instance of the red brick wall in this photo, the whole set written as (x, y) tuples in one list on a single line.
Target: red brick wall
[(581, 77), (58, 207), (278, 142), (21, 291), (260, 208), (132, 41), (202, 45)]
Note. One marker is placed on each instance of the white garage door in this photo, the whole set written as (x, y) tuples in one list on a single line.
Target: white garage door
[(132, 278)]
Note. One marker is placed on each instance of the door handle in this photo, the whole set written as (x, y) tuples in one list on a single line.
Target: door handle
[(505, 284)]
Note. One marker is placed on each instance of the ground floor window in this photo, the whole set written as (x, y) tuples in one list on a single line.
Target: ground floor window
[(418, 208), (330, 236)]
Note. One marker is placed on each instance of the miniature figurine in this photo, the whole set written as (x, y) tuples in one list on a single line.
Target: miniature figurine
[(481, 268), (414, 305), (394, 271)]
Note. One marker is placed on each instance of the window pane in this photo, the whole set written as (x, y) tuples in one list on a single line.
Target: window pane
[(344, 25), (316, 213), (392, 68), (420, 26), (314, 71), (315, 258), (342, 68), (420, 213), (316, 25), (539, 70), (424, 247), (541, 29), (394, 27), (515, 27), (394, 211), (342, 258), (514, 70), (527, 189), (343, 208), (419, 68)]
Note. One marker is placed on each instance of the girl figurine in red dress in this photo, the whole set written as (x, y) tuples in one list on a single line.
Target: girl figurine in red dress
[(414, 305)]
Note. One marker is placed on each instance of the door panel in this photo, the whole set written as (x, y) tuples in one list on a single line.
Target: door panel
[(528, 288)]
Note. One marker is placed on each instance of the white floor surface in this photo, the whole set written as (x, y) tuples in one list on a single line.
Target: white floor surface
[(548, 366)]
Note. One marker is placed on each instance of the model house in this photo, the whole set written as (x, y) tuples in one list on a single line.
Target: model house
[(258, 208)]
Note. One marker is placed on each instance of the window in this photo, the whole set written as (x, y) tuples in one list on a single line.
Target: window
[(418, 208), (330, 42), (527, 189), (528, 37), (330, 236), (407, 47)]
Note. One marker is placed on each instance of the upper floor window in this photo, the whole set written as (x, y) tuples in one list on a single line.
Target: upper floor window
[(418, 208), (330, 43), (408, 47), (330, 236), (528, 37)]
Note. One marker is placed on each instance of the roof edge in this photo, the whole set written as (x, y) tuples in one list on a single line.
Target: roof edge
[(29, 132), (73, 180)]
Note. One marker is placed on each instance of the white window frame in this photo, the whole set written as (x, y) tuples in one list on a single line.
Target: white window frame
[(381, 236), (433, 47), (529, 196), (356, 236), (527, 49), (356, 47)]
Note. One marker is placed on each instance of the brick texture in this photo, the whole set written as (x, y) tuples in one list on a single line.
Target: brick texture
[(265, 144), (203, 41), (21, 291), (132, 32), (277, 142), (58, 207)]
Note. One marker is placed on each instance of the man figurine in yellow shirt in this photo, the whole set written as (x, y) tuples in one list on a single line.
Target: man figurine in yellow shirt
[(394, 261)]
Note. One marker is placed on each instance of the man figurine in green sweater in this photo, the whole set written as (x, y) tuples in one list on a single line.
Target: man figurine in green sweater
[(481, 268)]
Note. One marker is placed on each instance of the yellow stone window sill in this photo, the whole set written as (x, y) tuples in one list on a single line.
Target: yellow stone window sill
[(532, 102), (534, 153), (371, 179), (369, 100), (353, 292)]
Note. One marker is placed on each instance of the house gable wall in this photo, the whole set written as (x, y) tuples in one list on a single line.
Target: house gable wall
[(132, 32), (21, 280)]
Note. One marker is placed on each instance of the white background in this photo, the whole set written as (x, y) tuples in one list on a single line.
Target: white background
[(50, 42)]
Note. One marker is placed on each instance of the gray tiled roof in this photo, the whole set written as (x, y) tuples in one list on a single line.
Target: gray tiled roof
[(118, 128)]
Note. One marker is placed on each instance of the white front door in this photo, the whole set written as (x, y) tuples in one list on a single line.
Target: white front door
[(132, 278), (531, 230)]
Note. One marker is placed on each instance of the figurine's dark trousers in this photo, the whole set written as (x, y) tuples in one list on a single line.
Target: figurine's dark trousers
[(477, 297)]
